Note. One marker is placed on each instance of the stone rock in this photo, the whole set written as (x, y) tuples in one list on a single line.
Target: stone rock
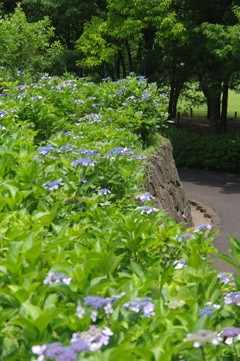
[(164, 184)]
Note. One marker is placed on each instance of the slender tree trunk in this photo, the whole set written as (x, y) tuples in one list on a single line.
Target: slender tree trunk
[(224, 106), (172, 92), (216, 125), (129, 56), (123, 64)]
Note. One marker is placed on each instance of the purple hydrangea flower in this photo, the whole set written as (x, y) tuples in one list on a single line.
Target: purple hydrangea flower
[(53, 350), (146, 96), (79, 101), (180, 237), (203, 228), (230, 331), (233, 297), (225, 277), (97, 301), (84, 161), (57, 277), (104, 191), (2, 113), (95, 337), (144, 197), (146, 209), (206, 311), (45, 150), (179, 264), (53, 185), (84, 180), (68, 133), (120, 150), (81, 151), (38, 97), (141, 304), (79, 345), (139, 156)]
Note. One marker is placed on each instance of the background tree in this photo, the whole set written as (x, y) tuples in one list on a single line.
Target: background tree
[(25, 47)]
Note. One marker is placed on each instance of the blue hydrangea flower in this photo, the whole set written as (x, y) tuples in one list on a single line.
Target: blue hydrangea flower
[(203, 228), (84, 161), (68, 133), (180, 237), (79, 101), (139, 156), (38, 97), (179, 264), (225, 277), (45, 150), (146, 209), (233, 297), (97, 301), (53, 185), (95, 337), (206, 311), (120, 150), (57, 277), (84, 180), (144, 197), (2, 113), (146, 96), (104, 191), (141, 304)]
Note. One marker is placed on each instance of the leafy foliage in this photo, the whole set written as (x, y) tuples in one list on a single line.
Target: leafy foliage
[(219, 152), (89, 269), (25, 47)]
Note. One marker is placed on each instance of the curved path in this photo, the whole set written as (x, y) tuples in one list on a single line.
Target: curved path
[(221, 192)]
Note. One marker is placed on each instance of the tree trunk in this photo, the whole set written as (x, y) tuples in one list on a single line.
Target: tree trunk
[(209, 109), (224, 106), (216, 125)]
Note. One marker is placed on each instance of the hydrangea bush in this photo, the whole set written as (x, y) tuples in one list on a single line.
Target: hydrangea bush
[(90, 269)]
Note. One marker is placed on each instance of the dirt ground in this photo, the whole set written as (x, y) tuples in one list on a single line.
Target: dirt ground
[(201, 125)]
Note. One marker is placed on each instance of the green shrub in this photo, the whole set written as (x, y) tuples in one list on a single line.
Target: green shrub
[(217, 153)]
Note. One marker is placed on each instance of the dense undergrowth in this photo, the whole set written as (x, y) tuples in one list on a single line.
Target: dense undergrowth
[(219, 152), (90, 270)]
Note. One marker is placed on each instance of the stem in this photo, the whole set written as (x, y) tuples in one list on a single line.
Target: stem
[(235, 350), (203, 353)]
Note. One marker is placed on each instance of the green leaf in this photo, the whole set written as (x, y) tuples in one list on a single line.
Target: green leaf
[(20, 293), (227, 259), (33, 311)]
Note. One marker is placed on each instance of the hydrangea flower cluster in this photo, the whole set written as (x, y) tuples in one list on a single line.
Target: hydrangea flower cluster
[(180, 237), (203, 228), (144, 197), (225, 277), (146, 209), (203, 336), (84, 161), (97, 302), (45, 150), (104, 191), (57, 277), (90, 340), (179, 264), (233, 297), (141, 304), (230, 333), (209, 309), (53, 185)]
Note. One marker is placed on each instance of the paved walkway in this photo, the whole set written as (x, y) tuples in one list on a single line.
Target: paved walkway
[(221, 192)]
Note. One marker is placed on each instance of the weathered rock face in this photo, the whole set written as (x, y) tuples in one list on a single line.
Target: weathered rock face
[(164, 184)]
